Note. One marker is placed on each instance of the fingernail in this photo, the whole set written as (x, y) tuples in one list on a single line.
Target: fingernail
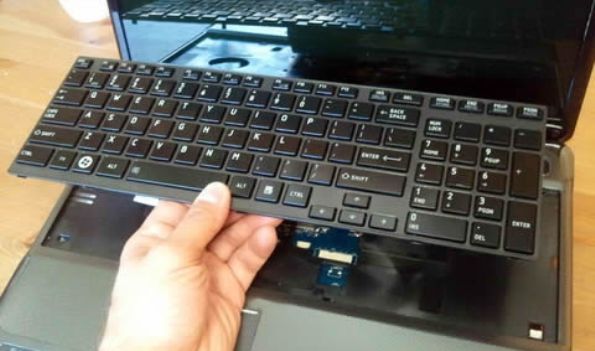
[(213, 193)]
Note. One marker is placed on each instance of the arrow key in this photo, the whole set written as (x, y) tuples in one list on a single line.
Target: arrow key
[(383, 222), (352, 217), (356, 200)]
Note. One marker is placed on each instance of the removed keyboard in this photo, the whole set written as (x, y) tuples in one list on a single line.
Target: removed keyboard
[(451, 171)]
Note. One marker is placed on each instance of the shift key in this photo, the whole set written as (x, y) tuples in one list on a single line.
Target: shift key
[(56, 136), (373, 182)]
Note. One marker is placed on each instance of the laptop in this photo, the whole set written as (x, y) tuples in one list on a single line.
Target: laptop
[(416, 149)]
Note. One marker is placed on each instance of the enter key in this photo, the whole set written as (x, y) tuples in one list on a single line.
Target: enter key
[(383, 159)]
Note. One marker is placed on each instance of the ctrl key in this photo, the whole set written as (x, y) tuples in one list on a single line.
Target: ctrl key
[(34, 155), (520, 227)]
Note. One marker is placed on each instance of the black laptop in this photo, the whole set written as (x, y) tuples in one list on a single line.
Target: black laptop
[(414, 148)]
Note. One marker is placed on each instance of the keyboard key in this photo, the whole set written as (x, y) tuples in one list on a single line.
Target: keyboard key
[(383, 222), (118, 102), (186, 90), (75, 78), (461, 178), (369, 181), (491, 182), (114, 122), (399, 138), (173, 176), (287, 145), (488, 207), (185, 131), (426, 198), (233, 96), (34, 155), (325, 89), (258, 98), (188, 154), (160, 128), (334, 108), (163, 151), (494, 135), (304, 87), (138, 148), (209, 93), (191, 74), (532, 113), (356, 200), (368, 134), (456, 203), (352, 217), (315, 126), (322, 212), (361, 111), (463, 154), (209, 135), (342, 153), (211, 77), (145, 70), (252, 82), (442, 103), (91, 141), (96, 99), (235, 138), (163, 87), (86, 163), (494, 158), (379, 95), (397, 115), (348, 92), (283, 102), (429, 173), (383, 159), (112, 167), (69, 96), (83, 63), (526, 170), (467, 131), (140, 85), (527, 139), (231, 79), (321, 174), (341, 130), (520, 227), (471, 106), (293, 170), (288, 123), (434, 150), (500, 109), (96, 80), (438, 128), (266, 166), (189, 111), (408, 99), (61, 115), (108, 65), (118, 82), (241, 186), (269, 191), (239, 162), (308, 104), (137, 125), (315, 149), (56, 136), (485, 235), (262, 120), (437, 227), (62, 159), (213, 114), (282, 85), (297, 195)]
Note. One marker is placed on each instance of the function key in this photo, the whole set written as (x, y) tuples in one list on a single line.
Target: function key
[(232, 79), (83, 63), (348, 92), (471, 106), (408, 99), (282, 84), (252, 82), (442, 103), (211, 77), (438, 128), (467, 131), (304, 87), (379, 95), (126, 67), (527, 139), (191, 74), (108, 66), (528, 112), (500, 109), (164, 72), (495, 135), (145, 70), (325, 89)]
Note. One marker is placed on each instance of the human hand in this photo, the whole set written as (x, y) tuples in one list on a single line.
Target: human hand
[(183, 276)]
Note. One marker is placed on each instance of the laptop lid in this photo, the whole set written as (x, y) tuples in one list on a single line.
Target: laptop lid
[(534, 51)]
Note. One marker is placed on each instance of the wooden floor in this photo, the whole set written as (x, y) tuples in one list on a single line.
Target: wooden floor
[(38, 43)]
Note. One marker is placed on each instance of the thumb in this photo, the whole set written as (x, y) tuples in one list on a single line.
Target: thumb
[(204, 219)]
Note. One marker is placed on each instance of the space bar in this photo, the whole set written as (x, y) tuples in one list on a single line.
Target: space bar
[(175, 177)]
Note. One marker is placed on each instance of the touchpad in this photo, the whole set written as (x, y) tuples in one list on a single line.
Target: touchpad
[(61, 303)]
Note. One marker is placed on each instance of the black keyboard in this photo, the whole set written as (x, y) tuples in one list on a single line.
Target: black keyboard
[(445, 170)]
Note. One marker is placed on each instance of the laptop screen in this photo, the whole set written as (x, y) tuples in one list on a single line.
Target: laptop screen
[(519, 50)]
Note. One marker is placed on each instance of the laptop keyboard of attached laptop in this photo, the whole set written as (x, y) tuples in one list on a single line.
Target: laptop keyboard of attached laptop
[(445, 170)]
